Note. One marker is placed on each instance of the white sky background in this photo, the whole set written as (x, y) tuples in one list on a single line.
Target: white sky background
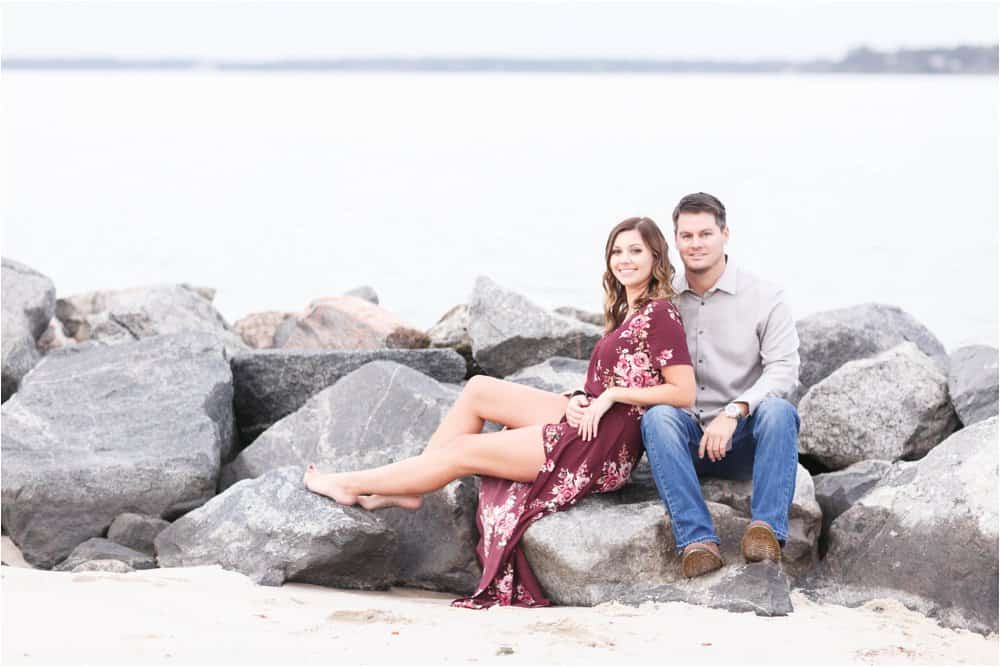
[(708, 30)]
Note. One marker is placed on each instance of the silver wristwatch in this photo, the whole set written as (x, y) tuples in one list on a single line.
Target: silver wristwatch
[(733, 410)]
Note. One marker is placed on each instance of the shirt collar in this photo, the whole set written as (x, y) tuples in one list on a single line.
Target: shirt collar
[(727, 282)]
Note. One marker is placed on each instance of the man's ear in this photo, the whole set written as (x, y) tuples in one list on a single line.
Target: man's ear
[(725, 233)]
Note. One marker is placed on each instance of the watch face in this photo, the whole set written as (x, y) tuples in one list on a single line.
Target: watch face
[(732, 411)]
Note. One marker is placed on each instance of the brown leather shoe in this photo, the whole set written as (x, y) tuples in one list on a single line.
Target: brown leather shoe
[(760, 543), (700, 558)]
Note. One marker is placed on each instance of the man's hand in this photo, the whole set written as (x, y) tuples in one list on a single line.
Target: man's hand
[(716, 437), (574, 409)]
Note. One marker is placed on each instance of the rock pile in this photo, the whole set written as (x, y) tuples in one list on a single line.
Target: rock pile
[(143, 431)]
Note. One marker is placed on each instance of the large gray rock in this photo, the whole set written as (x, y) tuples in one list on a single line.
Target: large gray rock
[(28, 302), (123, 316), (597, 319), (100, 549), (830, 339), (271, 384), (97, 432), (378, 414), (557, 374), (602, 550), (273, 530), (972, 383), (509, 332), (893, 406), (837, 491), (800, 553), (926, 535), (366, 292), (136, 531), (452, 330)]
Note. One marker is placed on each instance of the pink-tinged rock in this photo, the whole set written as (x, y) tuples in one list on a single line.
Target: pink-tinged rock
[(258, 329), (348, 323), (54, 337)]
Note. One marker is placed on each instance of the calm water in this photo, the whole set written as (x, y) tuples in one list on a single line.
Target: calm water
[(280, 188)]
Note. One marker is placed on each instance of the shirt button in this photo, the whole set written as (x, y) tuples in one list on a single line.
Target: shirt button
[(703, 303), (701, 331), (702, 388), (699, 361)]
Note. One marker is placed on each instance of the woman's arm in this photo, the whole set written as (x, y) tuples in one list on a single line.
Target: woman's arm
[(678, 390)]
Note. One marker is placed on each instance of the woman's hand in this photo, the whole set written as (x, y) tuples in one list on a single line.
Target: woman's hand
[(574, 409), (593, 413)]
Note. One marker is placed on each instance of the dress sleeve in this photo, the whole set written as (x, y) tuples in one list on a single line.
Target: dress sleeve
[(666, 339)]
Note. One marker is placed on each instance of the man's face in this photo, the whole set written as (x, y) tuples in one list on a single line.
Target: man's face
[(700, 242)]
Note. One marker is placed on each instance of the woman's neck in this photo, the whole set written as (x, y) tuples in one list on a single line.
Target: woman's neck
[(632, 295)]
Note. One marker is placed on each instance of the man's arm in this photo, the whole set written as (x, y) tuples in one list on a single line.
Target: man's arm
[(779, 354)]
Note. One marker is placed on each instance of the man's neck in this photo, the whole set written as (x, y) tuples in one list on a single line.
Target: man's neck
[(703, 281)]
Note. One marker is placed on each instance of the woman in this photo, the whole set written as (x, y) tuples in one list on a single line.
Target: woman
[(556, 448)]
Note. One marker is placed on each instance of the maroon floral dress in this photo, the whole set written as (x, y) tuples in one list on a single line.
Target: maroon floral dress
[(629, 356)]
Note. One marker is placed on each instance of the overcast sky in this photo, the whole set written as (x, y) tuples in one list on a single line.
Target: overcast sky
[(717, 30)]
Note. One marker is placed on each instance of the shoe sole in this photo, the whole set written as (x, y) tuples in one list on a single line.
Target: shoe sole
[(699, 562), (759, 544)]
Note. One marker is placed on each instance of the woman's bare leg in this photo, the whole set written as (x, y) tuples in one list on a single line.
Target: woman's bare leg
[(515, 454), (483, 398)]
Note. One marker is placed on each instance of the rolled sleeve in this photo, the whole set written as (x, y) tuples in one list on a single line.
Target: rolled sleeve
[(779, 355)]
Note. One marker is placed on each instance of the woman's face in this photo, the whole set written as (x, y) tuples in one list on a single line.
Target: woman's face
[(631, 259)]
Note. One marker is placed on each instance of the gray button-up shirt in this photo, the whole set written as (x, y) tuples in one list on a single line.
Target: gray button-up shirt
[(742, 341)]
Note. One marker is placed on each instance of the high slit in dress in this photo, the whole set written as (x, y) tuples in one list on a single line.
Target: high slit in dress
[(629, 356)]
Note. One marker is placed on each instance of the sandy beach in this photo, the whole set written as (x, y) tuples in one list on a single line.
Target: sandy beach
[(206, 615)]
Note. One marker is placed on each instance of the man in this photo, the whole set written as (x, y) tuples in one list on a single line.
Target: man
[(744, 348)]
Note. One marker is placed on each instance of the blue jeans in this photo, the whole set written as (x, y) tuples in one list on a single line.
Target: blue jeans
[(765, 449)]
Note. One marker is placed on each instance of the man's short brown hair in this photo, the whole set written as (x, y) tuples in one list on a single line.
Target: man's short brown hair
[(701, 202)]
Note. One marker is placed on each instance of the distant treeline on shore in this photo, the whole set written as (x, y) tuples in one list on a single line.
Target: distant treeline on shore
[(862, 60)]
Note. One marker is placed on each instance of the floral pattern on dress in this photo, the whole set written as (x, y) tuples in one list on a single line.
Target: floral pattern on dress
[(634, 367), (498, 521), (614, 474)]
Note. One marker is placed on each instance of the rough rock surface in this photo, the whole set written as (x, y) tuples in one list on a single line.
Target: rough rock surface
[(123, 316), (804, 518), (136, 531), (271, 384), (53, 337), (100, 549), (836, 491), (557, 374), (28, 302), (273, 530), (972, 383), (926, 535), (366, 292), (830, 339), (257, 329), (452, 330), (347, 323), (597, 319), (380, 413), (602, 550), (509, 332), (893, 406), (96, 431), (103, 565)]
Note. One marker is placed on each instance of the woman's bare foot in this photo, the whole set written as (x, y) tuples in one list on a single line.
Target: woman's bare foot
[(327, 485), (376, 502)]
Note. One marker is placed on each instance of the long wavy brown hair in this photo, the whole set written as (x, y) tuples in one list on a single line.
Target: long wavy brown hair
[(660, 280)]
